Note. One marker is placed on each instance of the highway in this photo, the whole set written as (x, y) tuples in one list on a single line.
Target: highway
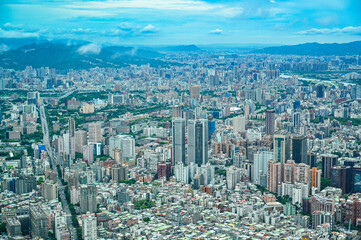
[(52, 159)]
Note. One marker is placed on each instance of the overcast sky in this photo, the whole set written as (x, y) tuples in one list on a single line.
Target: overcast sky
[(156, 22)]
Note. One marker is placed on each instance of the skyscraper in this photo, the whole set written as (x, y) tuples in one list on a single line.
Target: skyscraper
[(260, 164), (88, 201), (239, 124), (80, 140), (71, 124), (198, 141), (274, 175), (299, 149), (176, 111), (95, 134), (178, 143), (270, 122), (328, 161), (281, 149), (195, 91)]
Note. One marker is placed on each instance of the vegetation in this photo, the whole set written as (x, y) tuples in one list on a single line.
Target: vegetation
[(325, 182), (143, 204), (221, 172), (130, 181), (146, 219)]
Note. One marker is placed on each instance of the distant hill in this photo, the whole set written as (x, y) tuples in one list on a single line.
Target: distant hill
[(315, 49), (181, 48), (64, 56)]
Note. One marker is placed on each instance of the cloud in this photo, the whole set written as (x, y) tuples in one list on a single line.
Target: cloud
[(17, 34), (4, 48), (345, 30), (185, 6), (149, 29), (126, 26), (91, 48), (216, 31)]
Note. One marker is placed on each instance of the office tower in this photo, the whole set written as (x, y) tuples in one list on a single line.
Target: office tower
[(320, 91), (71, 124), (274, 176), (176, 111), (195, 92), (88, 201), (211, 127), (80, 137), (178, 141), (95, 134), (356, 179), (49, 190), (181, 173), (316, 178), (118, 155), (270, 122), (311, 159), (299, 149), (260, 160), (341, 177), (23, 163), (125, 143), (296, 120), (328, 161), (239, 124), (89, 226), (281, 149), (38, 222), (88, 153), (119, 173), (198, 141), (164, 169)]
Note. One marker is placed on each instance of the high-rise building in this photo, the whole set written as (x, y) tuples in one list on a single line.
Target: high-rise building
[(311, 159), (195, 91), (88, 153), (274, 176), (80, 137), (176, 111), (296, 120), (178, 143), (320, 91), (164, 169), (198, 141), (119, 173), (341, 177), (299, 149), (239, 124), (328, 161), (125, 143), (95, 132), (211, 128), (281, 149), (71, 124), (49, 190), (88, 201), (38, 222), (13, 227), (260, 161), (118, 155), (270, 122), (316, 178), (89, 226)]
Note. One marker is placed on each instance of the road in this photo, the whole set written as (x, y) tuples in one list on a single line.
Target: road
[(52, 159)]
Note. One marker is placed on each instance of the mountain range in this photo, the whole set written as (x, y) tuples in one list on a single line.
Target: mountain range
[(65, 54), (315, 49)]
